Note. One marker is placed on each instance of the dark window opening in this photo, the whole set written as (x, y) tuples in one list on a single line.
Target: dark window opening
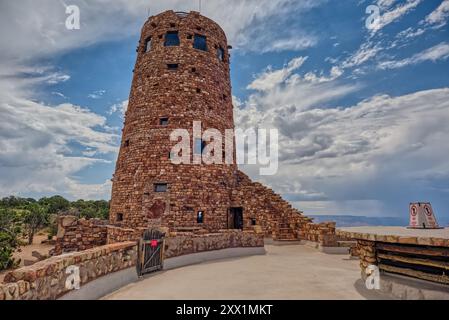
[(163, 121), (225, 97), (154, 25), (198, 90), (189, 36), (172, 66), (200, 217), (119, 217), (148, 45), (161, 36), (194, 70), (220, 53), (236, 218), (253, 222), (172, 25), (172, 39), (160, 187), (126, 144), (200, 42)]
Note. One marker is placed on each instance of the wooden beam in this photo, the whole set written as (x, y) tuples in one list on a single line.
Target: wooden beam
[(435, 252), (415, 274), (418, 261)]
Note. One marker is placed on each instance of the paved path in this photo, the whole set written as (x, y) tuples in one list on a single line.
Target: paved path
[(285, 272)]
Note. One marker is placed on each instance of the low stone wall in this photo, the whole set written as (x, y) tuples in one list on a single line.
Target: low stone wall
[(47, 279), (322, 233), (79, 234), (118, 234), (178, 244), (367, 255)]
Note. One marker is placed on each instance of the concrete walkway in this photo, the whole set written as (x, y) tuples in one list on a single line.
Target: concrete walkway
[(285, 272)]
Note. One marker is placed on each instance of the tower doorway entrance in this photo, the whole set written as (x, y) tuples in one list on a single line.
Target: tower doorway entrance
[(236, 218)]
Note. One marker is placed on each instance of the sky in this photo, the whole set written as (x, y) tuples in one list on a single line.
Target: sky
[(361, 108)]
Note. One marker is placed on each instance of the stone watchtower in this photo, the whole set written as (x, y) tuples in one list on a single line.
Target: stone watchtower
[(182, 76)]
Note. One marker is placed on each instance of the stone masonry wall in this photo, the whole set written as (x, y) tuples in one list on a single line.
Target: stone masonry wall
[(277, 217), (79, 234), (182, 85), (367, 255), (182, 243), (323, 233), (47, 279), (117, 234), (199, 89)]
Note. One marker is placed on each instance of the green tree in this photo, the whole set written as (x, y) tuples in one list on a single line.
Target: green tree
[(55, 204), (9, 233), (35, 218)]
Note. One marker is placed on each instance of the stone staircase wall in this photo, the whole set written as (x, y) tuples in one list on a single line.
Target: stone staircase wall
[(277, 217)]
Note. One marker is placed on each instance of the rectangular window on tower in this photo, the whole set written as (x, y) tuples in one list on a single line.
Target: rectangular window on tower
[(160, 187), (200, 217), (148, 45), (200, 42), (220, 53), (172, 66), (163, 122), (172, 39)]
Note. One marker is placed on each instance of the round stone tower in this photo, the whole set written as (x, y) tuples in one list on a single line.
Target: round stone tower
[(182, 76)]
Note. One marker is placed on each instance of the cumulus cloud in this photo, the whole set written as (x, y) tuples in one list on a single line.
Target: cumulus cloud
[(39, 31), (119, 107), (354, 153), (43, 147)]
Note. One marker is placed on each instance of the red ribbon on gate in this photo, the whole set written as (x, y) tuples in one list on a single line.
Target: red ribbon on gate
[(153, 243)]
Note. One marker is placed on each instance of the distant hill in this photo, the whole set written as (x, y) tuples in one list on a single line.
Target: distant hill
[(360, 221)]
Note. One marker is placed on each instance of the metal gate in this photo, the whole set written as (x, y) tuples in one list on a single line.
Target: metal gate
[(151, 252)]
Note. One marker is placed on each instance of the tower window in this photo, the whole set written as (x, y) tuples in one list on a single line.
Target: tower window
[(189, 37), (253, 222), (160, 187), (148, 45), (220, 53), (172, 66), (193, 69), (200, 42), (172, 25), (163, 122), (119, 217), (200, 217), (171, 39), (198, 90), (126, 144)]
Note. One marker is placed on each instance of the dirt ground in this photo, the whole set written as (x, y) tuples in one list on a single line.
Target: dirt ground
[(26, 251)]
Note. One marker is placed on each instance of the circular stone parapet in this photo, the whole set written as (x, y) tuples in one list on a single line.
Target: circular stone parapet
[(399, 235)]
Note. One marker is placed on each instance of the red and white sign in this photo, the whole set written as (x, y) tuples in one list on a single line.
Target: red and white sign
[(422, 216)]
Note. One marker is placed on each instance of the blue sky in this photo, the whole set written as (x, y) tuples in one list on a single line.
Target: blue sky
[(362, 112)]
